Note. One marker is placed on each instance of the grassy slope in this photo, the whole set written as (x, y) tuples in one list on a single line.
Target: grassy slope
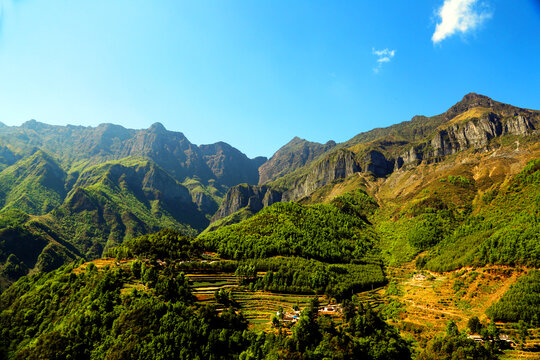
[(504, 228), (34, 184)]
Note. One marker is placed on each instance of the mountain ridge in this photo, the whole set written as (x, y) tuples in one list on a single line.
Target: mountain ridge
[(93, 188), (382, 151)]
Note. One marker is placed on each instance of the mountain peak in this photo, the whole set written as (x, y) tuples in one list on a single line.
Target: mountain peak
[(157, 126), (469, 101), (296, 139), (32, 124), (474, 98), (291, 156)]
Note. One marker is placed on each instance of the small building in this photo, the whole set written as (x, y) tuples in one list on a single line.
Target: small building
[(502, 338), (477, 338), (330, 308)]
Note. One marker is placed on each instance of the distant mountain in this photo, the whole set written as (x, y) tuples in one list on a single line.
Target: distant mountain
[(76, 147), (94, 187)]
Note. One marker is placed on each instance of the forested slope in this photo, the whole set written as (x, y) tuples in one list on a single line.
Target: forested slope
[(139, 309)]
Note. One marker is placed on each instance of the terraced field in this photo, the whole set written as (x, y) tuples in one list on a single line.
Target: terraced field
[(257, 306), (101, 263), (424, 302), (419, 303), (205, 284), (260, 306)]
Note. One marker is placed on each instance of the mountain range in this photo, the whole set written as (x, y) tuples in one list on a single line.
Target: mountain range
[(70, 192), (476, 124), (419, 240)]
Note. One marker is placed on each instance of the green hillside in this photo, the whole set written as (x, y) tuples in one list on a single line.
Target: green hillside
[(503, 229), (34, 184), (329, 249), (28, 246), (139, 309), (118, 200)]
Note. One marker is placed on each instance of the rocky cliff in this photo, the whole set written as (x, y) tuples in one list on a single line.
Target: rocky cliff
[(247, 196), (229, 165), (475, 132), (473, 123), (293, 155)]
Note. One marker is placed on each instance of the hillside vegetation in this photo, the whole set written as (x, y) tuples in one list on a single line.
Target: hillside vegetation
[(325, 248), (141, 309), (87, 189), (504, 230), (428, 230)]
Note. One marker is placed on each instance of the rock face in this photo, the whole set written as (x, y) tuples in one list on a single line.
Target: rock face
[(476, 133), (377, 164), (253, 197), (204, 202), (293, 155), (230, 166), (341, 164), (471, 123)]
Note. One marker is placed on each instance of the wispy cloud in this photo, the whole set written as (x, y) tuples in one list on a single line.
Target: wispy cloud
[(459, 16), (383, 56)]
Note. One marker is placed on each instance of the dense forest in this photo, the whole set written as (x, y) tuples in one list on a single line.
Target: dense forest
[(91, 314), (144, 309), (335, 233), (521, 302), (299, 275)]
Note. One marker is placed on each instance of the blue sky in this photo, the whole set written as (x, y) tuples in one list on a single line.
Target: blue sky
[(257, 73)]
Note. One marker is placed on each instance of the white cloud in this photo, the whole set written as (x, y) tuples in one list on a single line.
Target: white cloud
[(458, 16), (383, 56)]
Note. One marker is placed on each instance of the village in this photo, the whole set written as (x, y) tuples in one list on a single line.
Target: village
[(291, 317)]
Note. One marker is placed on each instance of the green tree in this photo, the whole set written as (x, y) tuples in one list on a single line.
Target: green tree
[(474, 325), (523, 331), (452, 329)]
